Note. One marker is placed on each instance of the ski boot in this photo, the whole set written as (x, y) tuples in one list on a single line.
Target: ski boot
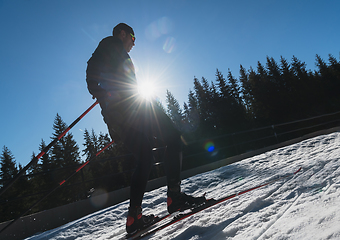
[(136, 221), (179, 201)]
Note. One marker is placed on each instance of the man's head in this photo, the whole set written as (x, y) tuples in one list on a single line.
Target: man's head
[(125, 33)]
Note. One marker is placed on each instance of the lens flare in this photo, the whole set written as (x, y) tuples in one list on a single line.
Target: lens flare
[(209, 146), (99, 198), (158, 28), (169, 44)]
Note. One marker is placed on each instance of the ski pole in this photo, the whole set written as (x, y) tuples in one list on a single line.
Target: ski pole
[(55, 188), (36, 158)]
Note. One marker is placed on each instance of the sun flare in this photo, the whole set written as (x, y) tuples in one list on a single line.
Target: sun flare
[(146, 89)]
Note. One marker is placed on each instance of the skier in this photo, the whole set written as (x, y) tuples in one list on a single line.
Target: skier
[(110, 77)]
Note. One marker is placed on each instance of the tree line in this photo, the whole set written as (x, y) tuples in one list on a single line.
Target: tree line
[(56, 165), (273, 93)]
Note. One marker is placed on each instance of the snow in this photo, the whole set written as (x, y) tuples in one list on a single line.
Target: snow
[(304, 206)]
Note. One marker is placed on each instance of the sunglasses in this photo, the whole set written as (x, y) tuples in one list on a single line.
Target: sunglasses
[(133, 37)]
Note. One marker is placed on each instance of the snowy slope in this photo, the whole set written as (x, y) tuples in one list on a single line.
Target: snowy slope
[(306, 206)]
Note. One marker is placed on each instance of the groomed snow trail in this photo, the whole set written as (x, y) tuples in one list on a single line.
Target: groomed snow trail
[(305, 206)]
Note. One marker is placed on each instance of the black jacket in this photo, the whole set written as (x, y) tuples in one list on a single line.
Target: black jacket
[(110, 69)]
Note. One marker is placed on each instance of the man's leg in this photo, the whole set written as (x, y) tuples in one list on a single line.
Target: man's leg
[(139, 145), (167, 132), (164, 129), (134, 138)]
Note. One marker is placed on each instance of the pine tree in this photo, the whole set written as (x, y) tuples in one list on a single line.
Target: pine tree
[(276, 95), (246, 93), (191, 113), (46, 161), (229, 99), (71, 151), (308, 88), (274, 74), (174, 110), (334, 68), (222, 101), (222, 84), (8, 167), (91, 144), (330, 83), (289, 93), (8, 170), (66, 151), (234, 88), (57, 150), (203, 95)]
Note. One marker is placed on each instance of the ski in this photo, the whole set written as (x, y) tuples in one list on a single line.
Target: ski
[(209, 203), (146, 229), (157, 220)]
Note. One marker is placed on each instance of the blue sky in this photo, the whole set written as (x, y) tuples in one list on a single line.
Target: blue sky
[(44, 47)]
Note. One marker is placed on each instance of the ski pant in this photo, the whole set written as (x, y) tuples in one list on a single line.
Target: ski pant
[(137, 127)]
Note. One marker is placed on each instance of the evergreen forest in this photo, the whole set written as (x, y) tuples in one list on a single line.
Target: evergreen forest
[(271, 94)]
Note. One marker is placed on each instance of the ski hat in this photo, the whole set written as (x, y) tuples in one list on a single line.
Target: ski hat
[(122, 26)]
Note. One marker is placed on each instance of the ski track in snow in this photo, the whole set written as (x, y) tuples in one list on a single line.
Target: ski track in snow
[(304, 206)]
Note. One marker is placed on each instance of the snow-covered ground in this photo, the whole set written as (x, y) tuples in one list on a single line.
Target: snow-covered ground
[(305, 206)]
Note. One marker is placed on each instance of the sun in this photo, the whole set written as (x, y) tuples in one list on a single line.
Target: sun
[(146, 89)]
